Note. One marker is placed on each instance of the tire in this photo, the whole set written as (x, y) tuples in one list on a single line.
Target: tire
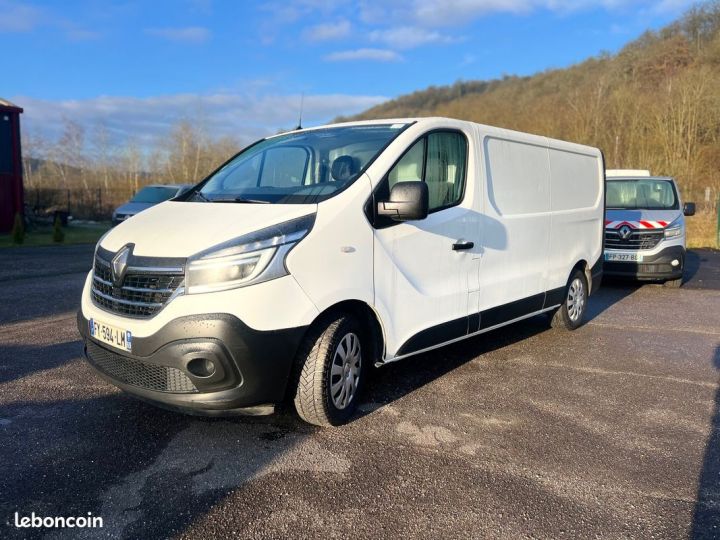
[(673, 283), (331, 353), (570, 314)]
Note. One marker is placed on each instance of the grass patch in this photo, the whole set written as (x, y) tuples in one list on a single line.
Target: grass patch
[(702, 230), (74, 234)]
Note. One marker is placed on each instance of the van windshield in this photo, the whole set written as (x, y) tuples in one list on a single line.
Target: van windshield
[(645, 194), (298, 168)]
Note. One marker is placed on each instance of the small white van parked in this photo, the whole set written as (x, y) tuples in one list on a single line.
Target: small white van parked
[(313, 255), (645, 227)]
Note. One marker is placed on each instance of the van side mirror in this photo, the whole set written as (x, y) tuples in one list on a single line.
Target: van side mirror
[(689, 209), (408, 201)]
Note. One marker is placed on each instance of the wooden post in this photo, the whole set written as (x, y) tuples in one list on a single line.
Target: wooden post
[(718, 222)]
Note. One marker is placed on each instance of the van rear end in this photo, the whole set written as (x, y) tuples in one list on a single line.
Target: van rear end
[(644, 228)]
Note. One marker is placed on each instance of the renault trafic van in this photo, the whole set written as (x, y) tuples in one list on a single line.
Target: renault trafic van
[(313, 255), (645, 227)]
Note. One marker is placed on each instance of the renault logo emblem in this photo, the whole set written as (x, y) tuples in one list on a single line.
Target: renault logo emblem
[(120, 264), (625, 232)]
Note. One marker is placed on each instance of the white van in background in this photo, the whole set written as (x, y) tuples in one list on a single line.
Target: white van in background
[(645, 227), (313, 255)]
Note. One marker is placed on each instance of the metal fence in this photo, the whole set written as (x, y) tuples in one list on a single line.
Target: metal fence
[(96, 204), (705, 199)]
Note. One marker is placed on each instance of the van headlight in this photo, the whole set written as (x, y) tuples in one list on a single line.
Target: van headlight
[(253, 258), (674, 230)]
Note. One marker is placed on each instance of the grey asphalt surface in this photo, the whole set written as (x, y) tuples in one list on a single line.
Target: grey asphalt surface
[(612, 431)]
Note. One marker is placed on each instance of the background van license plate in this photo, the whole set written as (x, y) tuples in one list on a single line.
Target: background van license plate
[(624, 257), (120, 339)]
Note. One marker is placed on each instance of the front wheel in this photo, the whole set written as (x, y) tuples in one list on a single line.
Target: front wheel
[(674, 283), (332, 368), (570, 314)]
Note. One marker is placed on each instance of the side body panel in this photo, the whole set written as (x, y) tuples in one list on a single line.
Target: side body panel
[(547, 201), (578, 207), (517, 219), (534, 208)]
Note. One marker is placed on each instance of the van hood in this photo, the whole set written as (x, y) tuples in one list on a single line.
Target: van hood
[(182, 229), (655, 218)]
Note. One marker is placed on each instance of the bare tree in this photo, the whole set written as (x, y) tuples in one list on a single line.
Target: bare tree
[(102, 154)]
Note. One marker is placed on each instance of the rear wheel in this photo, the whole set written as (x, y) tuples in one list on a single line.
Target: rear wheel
[(331, 371), (570, 314)]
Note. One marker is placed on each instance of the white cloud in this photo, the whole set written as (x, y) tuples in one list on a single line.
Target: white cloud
[(17, 17), (189, 34), (244, 117), (375, 55), (289, 11), (328, 31), (468, 59), (81, 34), (438, 13), (409, 37), (673, 6)]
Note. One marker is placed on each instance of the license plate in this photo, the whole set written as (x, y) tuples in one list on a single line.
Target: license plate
[(113, 336), (623, 257)]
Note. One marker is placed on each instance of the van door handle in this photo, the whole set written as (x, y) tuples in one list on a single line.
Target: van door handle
[(461, 245)]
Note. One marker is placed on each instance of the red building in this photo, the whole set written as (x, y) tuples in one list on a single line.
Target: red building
[(11, 182)]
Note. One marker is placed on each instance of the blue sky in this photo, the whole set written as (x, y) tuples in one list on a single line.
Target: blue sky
[(239, 67)]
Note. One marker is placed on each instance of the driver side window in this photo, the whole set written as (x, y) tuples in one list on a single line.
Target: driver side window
[(439, 160), (410, 167)]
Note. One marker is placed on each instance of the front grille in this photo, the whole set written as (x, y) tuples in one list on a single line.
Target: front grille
[(143, 292), (643, 239), (638, 268), (136, 373)]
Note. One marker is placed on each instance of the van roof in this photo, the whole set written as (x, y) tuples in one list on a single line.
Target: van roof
[(638, 177), (626, 173), (435, 119), (663, 178)]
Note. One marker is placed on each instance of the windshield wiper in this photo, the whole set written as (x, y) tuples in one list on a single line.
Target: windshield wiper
[(237, 200), (244, 200), (200, 196)]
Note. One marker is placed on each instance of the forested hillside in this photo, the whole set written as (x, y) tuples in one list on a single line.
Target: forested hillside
[(654, 105)]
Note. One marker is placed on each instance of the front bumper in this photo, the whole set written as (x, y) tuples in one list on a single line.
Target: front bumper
[(251, 374), (653, 267)]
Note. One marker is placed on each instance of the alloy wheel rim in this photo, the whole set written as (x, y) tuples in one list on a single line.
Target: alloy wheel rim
[(576, 300), (345, 370)]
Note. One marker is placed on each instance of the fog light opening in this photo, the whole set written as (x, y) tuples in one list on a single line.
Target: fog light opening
[(201, 367), (675, 262)]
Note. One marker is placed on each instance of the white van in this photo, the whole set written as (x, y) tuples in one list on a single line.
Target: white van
[(313, 255), (645, 227)]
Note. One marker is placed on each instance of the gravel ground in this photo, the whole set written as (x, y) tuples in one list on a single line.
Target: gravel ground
[(611, 431)]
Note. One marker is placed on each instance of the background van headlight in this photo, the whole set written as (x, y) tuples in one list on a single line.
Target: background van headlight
[(253, 258), (674, 230)]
